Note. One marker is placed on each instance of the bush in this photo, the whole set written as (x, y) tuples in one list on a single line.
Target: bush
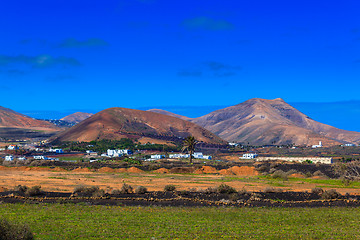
[(12, 231), (243, 191), (210, 190), (318, 173), (272, 190), (84, 191), (126, 188), (115, 191), (330, 194), (21, 189), (233, 196), (141, 190), (34, 191), (223, 188), (317, 191), (279, 174), (169, 188)]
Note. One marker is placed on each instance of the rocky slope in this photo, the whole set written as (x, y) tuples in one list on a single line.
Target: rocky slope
[(169, 114)]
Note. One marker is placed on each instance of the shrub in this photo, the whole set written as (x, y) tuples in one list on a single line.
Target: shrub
[(308, 174), (210, 190), (21, 189), (330, 194), (34, 191), (141, 190), (280, 175), (319, 173), (92, 191), (12, 231), (98, 193), (243, 191), (291, 171), (115, 191), (317, 191), (126, 188), (262, 168), (169, 188), (223, 188), (234, 196), (272, 190)]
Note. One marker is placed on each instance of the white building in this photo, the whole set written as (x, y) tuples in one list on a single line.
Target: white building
[(197, 155), (9, 158), (178, 155), (249, 156), (22, 158), (56, 150), (233, 144), (317, 146), (157, 156), (39, 157), (349, 145), (12, 147), (118, 152)]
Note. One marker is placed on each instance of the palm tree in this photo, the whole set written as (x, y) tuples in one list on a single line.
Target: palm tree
[(189, 145)]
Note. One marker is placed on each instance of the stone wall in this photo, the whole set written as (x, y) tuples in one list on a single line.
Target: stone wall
[(323, 160)]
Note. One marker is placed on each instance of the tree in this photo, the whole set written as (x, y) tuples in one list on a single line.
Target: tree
[(189, 145)]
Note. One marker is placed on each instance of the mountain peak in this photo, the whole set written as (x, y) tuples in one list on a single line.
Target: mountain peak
[(261, 122), (117, 123)]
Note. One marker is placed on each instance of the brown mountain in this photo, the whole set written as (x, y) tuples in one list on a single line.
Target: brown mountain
[(76, 117), (260, 121), (117, 123), (169, 114), (12, 119)]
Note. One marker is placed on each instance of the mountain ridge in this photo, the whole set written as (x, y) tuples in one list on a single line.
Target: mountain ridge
[(117, 123), (261, 122)]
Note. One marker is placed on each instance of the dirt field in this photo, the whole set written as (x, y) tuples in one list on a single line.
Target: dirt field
[(60, 180)]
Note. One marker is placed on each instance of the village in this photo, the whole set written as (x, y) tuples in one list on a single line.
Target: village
[(36, 151)]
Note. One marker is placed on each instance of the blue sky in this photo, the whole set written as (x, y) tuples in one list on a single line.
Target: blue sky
[(60, 55)]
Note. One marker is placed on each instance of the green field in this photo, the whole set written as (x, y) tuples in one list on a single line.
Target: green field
[(70, 221)]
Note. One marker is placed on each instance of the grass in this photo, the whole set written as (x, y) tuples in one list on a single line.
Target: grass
[(70, 221), (70, 158)]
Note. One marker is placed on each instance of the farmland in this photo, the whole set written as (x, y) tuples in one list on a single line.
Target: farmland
[(79, 221)]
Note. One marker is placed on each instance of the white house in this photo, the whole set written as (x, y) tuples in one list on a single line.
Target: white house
[(118, 152), (56, 150), (198, 155), (249, 156), (157, 156), (317, 146), (22, 158), (39, 157), (12, 147), (9, 158), (178, 155), (349, 145)]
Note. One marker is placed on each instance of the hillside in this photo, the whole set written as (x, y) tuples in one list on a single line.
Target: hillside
[(117, 123), (76, 117), (259, 121), (169, 114), (12, 119)]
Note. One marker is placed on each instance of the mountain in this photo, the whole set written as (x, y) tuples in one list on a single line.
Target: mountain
[(76, 117), (169, 114), (117, 123), (261, 122), (12, 119)]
